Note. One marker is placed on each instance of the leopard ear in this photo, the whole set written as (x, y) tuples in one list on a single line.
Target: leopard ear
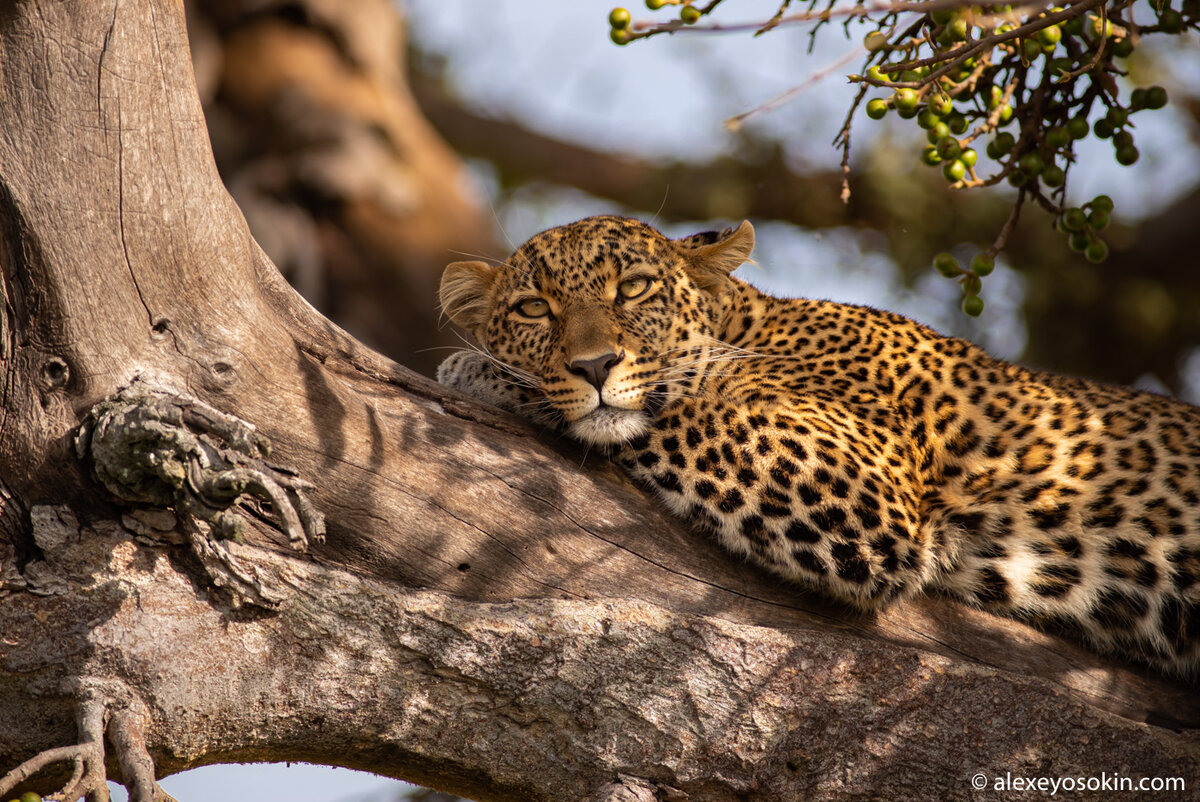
[(712, 256), (464, 293)]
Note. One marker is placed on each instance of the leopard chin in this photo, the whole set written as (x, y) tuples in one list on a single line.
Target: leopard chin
[(607, 425)]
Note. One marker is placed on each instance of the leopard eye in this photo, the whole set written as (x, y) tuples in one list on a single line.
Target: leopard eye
[(532, 308), (634, 287)]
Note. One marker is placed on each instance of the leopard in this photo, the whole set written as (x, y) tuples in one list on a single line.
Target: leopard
[(852, 451)]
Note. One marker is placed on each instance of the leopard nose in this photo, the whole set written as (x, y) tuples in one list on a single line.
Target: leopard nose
[(595, 370)]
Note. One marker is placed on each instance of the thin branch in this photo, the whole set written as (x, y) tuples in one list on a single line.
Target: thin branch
[(844, 137), (774, 20), (735, 122), (987, 43), (645, 29), (1096, 54), (1006, 229)]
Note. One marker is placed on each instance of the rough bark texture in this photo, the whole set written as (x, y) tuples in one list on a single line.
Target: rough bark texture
[(547, 699), (568, 640)]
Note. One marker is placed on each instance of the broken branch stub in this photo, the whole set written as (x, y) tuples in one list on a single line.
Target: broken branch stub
[(158, 446)]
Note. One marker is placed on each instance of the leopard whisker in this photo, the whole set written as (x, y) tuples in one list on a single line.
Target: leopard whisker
[(518, 376), (670, 392), (685, 366), (480, 256)]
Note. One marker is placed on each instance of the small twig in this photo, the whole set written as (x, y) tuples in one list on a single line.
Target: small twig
[(844, 137), (858, 10), (978, 70), (844, 132), (979, 45), (1009, 224), (1097, 53), (735, 122), (993, 118), (774, 20)]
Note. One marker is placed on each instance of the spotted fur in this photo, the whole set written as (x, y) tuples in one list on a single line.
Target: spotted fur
[(852, 450)]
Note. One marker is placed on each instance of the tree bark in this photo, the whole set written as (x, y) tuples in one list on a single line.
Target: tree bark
[(491, 613)]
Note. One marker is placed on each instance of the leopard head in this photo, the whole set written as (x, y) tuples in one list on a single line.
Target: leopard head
[(598, 315)]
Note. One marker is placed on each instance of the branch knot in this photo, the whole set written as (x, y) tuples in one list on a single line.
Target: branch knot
[(162, 447)]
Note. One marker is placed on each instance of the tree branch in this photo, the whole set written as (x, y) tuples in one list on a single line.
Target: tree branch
[(555, 698), (729, 187)]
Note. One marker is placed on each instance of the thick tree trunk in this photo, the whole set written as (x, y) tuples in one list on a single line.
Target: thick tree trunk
[(568, 639)]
